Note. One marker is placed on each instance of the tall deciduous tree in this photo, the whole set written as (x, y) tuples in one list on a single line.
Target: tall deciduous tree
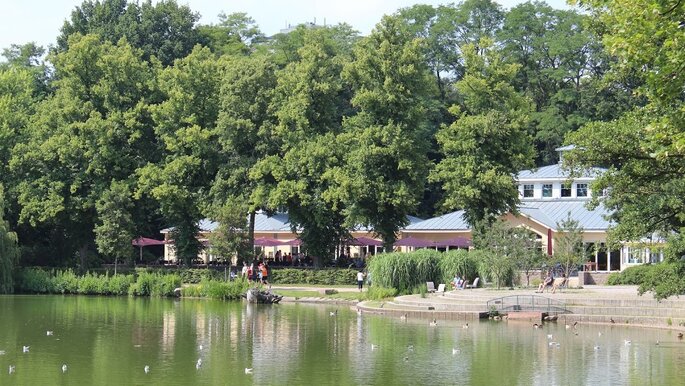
[(644, 149), (185, 122), (114, 230), (386, 141), (95, 129), (488, 143), (235, 34), (310, 101), (244, 131), (164, 29), (568, 250)]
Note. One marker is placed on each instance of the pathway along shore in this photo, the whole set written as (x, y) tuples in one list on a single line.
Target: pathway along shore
[(618, 305)]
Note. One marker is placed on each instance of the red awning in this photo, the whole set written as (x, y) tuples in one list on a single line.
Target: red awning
[(267, 242), (365, 241), (144, 242), (459, 242), (413, 242)]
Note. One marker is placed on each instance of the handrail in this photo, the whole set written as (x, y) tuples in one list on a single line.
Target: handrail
[(520, 303)]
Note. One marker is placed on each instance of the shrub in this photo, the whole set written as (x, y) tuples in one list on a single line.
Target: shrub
[(333, 276), (119, 284), (92, 284), (216, 289), (65, 282), (34, 280), (164, 285), (630, 276), (377, 293)]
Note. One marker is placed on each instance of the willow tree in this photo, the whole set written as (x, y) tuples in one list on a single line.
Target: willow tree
[(386, 140), (9, 250)]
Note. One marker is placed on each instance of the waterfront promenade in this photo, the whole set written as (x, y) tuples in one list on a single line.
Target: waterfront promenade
[(619, 305)]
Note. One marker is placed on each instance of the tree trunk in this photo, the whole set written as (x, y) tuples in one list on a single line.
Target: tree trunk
[(83, 257), (250, 232)]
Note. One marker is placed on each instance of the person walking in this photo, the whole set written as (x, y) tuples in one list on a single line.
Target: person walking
[(360, 280)]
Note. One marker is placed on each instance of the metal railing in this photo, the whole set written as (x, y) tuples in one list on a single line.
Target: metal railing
[(530, 303)]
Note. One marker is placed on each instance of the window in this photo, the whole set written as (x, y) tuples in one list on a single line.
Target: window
[(528, 190), (581, 190), (547, 190), (565, 190)]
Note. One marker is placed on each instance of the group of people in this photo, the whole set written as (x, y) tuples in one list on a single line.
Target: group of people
[(291, 260), (258, 274)]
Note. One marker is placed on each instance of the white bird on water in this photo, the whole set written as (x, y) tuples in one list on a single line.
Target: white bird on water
[(465, 326), (64, 368), (596, 348), (146, 369), (48, 333), (455, 351), (12, 369), (434, 323), (198, 364), (248, 371), (25, 349), (374, 347), (627, 342), (549, 336), (334, 313)]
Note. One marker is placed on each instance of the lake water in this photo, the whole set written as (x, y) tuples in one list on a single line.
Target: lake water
[(109, 341)]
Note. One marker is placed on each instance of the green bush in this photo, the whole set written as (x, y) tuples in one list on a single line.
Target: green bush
[(631, 276), (92, 284), (65, 282), (164, 285), (33, 280), (377, 293), (332, 276), (216, 289), (119, 284)]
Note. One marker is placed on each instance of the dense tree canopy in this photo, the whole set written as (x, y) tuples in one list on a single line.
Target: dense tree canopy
[(141, 119)]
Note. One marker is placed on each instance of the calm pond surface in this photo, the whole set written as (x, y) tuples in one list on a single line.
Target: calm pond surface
[(109, 341)]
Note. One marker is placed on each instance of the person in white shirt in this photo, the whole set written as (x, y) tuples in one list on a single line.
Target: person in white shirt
[(360, 280)]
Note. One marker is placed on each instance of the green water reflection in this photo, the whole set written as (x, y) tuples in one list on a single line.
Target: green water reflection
[(109, 341)]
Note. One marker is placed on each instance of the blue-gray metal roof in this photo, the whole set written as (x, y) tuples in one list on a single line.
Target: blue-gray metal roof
[(449, 221), (556, 172), (553, 212), (547, 212), (279, 222)]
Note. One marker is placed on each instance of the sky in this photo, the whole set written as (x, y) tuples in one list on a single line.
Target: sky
[(23, 21)]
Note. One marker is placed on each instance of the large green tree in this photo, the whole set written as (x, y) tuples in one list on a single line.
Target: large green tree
[(114, 230), (244, 133), (386, 140), (164, 29), (185, 123), (94, 129), (488, 142), (643, 150), (309, 104)]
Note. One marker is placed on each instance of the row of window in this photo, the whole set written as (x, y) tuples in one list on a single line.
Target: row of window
[(566, 190)]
